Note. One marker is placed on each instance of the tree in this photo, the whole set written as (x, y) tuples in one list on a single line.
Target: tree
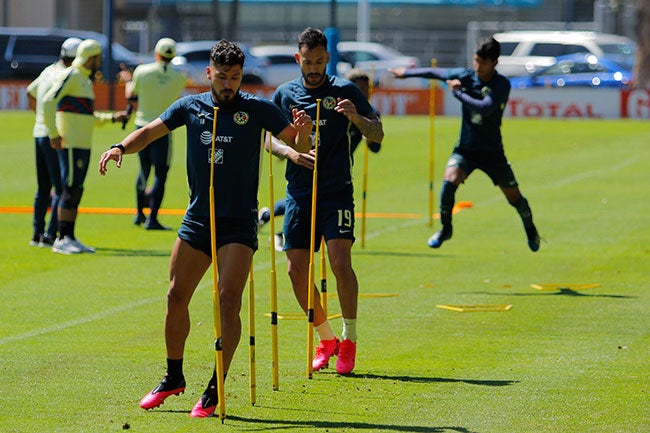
[(642, 67)]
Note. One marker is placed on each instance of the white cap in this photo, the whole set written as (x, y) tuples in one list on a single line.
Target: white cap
[(87, 48), (166, 47), (69, 47)]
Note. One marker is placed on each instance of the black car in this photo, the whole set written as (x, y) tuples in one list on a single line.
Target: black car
[(26, 51)]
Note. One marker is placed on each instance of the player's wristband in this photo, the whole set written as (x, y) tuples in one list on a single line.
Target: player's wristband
[(119, 146)]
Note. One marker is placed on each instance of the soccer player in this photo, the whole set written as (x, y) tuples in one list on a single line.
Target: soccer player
[(241, 117), (70, 116), (361, 79), (342, 105), (154, 86), (483, 93), (48, 173)]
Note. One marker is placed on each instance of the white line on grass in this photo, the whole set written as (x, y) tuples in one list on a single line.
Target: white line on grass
[(80, 321)]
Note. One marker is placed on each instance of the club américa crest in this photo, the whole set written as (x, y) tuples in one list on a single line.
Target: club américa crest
[(241, 118), (329, 102)]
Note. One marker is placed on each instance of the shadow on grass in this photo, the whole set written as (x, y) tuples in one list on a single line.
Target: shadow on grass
[(560, 292), (133, 252), (315, 424), (423, 379)]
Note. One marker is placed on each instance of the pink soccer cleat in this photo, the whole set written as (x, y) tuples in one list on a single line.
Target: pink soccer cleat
[(325, 350), (205, 407), (347, 354), (157, 396)]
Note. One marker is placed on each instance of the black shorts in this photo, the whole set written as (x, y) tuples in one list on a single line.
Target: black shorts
[(495, 165), (196, 232), (334, 219)]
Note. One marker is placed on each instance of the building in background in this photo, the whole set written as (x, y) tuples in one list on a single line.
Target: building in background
[(424, 29)]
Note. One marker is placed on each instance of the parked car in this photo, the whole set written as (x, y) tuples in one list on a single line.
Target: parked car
[(26, 51), (583, 70), (377, 59), (524, 52), (283, 66), (193, 57)]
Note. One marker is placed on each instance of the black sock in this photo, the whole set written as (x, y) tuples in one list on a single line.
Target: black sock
[(524, 212), (175, 367), (447, 200), (66, 228)]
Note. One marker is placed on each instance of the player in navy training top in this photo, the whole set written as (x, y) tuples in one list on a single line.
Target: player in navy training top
[(342, 105), (240, 120), (483, 93)]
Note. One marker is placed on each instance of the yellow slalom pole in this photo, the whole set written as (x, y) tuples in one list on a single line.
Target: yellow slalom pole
[(251, 333), (323, 276), (275, 369), (364, 184), (312, 247), (432, 117), (218, 338)]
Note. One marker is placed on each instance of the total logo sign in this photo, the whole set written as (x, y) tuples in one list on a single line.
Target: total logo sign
[(564, 103), (635, 104)]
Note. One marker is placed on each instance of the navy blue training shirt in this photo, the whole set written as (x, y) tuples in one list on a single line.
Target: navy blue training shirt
[(334, 156), (237, 150), (483, 104)]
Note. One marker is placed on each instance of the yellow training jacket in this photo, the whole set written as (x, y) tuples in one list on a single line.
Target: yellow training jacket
[(69, 108)]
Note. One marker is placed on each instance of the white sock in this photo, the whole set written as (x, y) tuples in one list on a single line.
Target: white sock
[(349, 330), (325, 331)]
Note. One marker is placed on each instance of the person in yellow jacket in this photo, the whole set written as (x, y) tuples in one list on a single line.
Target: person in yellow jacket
[(69, 114), (154, 86), (48, 173)]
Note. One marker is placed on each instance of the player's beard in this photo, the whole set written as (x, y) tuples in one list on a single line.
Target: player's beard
[(313, 79), (224, 98)]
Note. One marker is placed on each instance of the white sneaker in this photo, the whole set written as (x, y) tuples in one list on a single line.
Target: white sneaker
[(65, 245), (278, 241), (82, 247)]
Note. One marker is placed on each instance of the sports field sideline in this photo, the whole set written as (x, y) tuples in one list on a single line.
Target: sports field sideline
[(81, 337)]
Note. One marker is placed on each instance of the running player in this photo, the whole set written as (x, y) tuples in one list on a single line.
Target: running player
[(483, 93)]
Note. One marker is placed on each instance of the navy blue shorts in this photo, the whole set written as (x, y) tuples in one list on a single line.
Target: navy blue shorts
[(196, 232), (334, 219), (495, 165)]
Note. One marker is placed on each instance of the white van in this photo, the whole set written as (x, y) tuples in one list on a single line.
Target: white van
[(523, 52)]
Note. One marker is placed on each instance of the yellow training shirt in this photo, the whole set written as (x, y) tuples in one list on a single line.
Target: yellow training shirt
[(156, 85)]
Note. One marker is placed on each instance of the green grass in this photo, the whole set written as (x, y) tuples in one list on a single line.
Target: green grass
[(81, 337)]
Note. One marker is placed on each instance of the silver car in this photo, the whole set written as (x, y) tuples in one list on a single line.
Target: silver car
[(193, 57)]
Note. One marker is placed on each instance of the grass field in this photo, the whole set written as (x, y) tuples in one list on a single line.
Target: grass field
[(81, 336)]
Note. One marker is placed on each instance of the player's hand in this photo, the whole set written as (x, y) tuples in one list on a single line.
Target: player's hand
[(56, 143), (454, 84), (111, 154), (346, 107), (125, 75), (305, 159), (121, 116), (302, 121), (397, 72)]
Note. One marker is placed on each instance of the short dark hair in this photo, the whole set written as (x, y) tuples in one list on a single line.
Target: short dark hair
[(357, 75), (311, 38), (489, 48), (227, 53)]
